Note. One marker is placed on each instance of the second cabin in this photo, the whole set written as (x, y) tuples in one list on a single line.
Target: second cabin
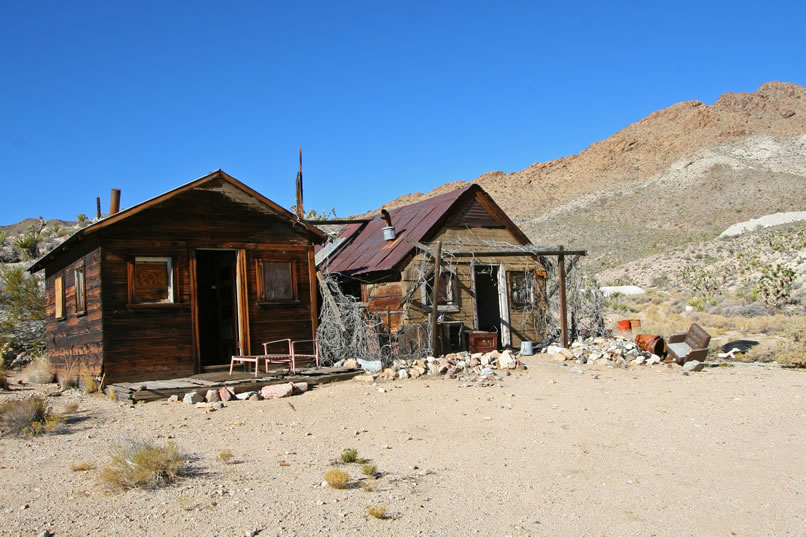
[(490, 293)]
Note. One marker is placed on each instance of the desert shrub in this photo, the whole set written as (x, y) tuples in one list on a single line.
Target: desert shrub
[(90, 384), (775, 285), (366, 486), (753, 309), (39, 371), (349, 455), (18, 417), (70, 407), (139, 464), (226, 456), (28, 244), (703, 283), (369, 469), (792, 351), (81, 466), (81, 217), (21, 295), (336, 478), (3, 377), (377, 511), (3, 237)]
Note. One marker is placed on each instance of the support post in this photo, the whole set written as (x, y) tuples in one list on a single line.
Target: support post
[(563, 312), (435, 297)]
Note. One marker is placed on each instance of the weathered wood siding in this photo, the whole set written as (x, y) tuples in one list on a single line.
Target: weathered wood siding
[(75, 342), (524, 324), (273, 321), (145, 341), (157, 341)]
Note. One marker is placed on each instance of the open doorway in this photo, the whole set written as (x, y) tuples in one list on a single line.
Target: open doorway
[(487, 300), (217, 320)]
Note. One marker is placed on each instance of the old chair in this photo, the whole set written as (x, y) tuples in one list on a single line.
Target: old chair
[(275, 357), (313, 355), (693, 345)]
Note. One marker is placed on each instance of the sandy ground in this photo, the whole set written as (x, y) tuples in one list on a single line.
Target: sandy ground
[(547, 452)]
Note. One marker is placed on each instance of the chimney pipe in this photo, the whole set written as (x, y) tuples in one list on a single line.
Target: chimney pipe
[(389, 230), (114, 201), (300, 209)]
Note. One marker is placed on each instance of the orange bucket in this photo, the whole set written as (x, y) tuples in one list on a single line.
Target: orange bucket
[(623, 326)]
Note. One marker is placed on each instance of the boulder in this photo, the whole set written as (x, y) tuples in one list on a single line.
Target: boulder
[(212, 396), (276, 391), (300, 387), (351, 364), (243, 396), (692, 366), (403, 374), (506, 360), (224, 394), (191, 398)]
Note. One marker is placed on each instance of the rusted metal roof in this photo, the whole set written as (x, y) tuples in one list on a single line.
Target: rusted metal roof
[(364, 250)]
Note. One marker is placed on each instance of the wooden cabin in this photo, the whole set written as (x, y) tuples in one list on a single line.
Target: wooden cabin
[(484, 286), (178, 284)]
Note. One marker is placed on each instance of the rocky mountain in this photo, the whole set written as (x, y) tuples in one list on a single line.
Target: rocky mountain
[(682, 173)]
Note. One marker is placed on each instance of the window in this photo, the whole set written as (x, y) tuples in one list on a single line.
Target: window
[(447, 297), (58, 296), (152, 281), (277, 281), (522, 289), (81, 291)]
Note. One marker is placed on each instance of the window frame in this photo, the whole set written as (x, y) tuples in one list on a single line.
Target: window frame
[(261, 281), (530, 289), (80, 290), (133, 280), (59, 312), (451, 306)]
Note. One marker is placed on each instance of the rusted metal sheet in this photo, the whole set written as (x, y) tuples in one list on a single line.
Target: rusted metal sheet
[(365, 249)]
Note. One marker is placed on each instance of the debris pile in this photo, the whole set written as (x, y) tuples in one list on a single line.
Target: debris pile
[(463, 366), (611, 351)]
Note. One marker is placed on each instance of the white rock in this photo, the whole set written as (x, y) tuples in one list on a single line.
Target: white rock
[(191, 398)]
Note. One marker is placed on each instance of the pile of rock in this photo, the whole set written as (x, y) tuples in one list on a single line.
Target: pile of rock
[(462, 366), (215, 399), (612, 351)]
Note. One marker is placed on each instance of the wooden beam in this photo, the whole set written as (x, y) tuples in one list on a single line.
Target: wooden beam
[(563, 312), (330, 300), (339, 221), (515, 253), (435, 297), (312, 289)]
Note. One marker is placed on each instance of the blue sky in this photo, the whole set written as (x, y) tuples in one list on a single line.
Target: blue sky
[(385, 98)]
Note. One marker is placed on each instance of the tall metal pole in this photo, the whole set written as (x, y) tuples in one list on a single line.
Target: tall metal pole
[(563, 312), (435, 297)]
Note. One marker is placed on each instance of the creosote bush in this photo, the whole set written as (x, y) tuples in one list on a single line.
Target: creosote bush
[(349, 455), (337, 479), (39, 371), (140, 464)]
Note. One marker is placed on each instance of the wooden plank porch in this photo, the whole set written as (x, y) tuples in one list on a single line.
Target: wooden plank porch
[(238, 382)]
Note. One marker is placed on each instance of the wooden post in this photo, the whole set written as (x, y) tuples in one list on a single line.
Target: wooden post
[(300, 209), (563, 312), (435, 297)]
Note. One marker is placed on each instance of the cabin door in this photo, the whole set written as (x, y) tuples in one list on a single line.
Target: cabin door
[(216, 306), (487, 303)]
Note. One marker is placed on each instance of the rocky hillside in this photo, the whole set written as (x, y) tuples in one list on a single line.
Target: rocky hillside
[(685, 172)]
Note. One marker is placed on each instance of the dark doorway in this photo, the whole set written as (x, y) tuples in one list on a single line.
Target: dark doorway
[(215, 278), (487, 308)]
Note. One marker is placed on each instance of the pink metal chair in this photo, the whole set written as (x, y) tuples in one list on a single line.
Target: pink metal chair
[(279, 357), (314, 355)]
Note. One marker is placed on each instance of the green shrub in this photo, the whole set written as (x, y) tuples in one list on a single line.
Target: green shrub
[(775, 285), (28, 244), (21, 295), (377, 511), (792, 351), (138, 464), (3, 237), (226, 456), (369, 469), (349, 455)]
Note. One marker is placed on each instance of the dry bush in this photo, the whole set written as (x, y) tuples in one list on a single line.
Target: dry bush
[(226, 456), (366, 486), (70, 407), (3, 379), (39, 371), (81, 466), (377, 511), (139, 464), (90, 384), (792, 351), (19, 416), (337, 479)]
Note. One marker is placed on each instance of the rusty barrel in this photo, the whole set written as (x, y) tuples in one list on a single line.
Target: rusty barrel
[(650, 343)]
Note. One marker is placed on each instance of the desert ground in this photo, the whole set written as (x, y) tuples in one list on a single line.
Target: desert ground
[(549, 451)]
